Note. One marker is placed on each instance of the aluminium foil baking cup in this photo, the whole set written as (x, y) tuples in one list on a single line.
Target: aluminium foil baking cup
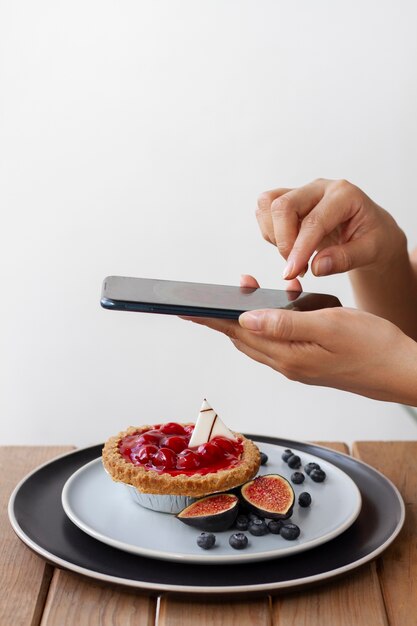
[(161, 503)]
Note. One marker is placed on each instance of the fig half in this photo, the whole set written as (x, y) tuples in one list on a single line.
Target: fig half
[(212, 513), (269, 496)]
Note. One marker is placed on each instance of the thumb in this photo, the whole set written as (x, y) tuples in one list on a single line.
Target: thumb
[(342, 258), (286, 325)]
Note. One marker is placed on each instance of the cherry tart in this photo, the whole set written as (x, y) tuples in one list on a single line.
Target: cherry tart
[(157, 460)]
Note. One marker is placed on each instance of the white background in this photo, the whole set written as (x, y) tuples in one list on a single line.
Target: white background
[(135, 137)]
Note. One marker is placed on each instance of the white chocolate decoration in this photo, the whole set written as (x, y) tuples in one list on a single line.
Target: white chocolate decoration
[(207, 426)]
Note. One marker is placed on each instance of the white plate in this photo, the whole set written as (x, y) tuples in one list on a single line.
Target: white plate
[(105, 510)]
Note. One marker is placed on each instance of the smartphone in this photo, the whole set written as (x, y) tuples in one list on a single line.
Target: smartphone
[(147, 295)]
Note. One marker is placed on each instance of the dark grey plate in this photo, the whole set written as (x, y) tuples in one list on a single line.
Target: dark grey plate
[(37, 516)]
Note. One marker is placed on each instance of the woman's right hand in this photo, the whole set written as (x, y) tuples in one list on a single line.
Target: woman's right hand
[(336, 219)]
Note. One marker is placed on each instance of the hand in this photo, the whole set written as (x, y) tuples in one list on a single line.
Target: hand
[(342, 348), (334, 218)]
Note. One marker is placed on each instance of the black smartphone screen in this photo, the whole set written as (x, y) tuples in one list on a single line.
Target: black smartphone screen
[(203, 300)]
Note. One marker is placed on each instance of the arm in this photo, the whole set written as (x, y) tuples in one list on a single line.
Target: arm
[(390, 293)]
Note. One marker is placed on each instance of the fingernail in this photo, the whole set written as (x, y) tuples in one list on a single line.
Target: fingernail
[(288, 269), (323, 266), (304, 272), (251, 320)]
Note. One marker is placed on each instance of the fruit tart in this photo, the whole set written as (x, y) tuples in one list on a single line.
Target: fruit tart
[(167, 465)]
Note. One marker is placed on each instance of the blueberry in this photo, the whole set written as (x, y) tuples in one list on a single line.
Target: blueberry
[(310, 466), (264, 458), (286, 454), (318, 475), (289, 531), (304, 499), (258, 527), (275, 526), (238, 541), (242, 522), (297, 478), (206, 540), (253, 516), (294, 461)]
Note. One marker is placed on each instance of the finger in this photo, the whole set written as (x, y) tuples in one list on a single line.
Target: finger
[(293, 285), (287, 212), (329, 213), (342, 258), (254, 354), (248, 281), (293, 289), (304, 272), (258, 345), (263, 213), (236, 333), (266, 198), (241, 339), (285, 223), (283, 325), (225, 326)]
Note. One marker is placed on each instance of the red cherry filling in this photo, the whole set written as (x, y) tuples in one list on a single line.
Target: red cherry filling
[(165, 458), (227, 445), (188, 460), (144, 454), (178, 444), (164, 448), (172, 428), (210, 453), (152, 436)]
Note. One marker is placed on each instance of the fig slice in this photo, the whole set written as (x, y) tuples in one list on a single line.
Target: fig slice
[(212, 513), (269, 496)]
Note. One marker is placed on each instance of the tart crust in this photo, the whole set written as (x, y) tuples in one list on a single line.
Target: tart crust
[(195, 485)]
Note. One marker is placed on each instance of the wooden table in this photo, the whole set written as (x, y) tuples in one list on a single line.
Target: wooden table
[(380, 593)]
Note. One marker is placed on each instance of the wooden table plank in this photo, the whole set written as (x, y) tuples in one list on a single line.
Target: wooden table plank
[(176, 612), (355, 599), (338, 446), (73, 599), (397, 566), (24, 577)]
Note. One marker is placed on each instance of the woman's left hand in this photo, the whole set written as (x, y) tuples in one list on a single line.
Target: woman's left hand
[(337, 347)]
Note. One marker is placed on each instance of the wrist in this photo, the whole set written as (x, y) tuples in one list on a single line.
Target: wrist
[(403, 373), (389, 292), (390, 271), (391, 254)]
